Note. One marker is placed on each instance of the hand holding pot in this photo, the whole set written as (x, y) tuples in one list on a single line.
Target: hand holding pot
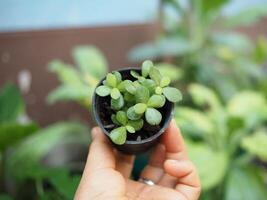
[(168, 175)]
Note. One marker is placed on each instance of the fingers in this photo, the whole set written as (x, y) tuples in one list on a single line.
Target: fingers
[(100, 154), (124, 163), (185, 172), (174, 142), (154, 170)]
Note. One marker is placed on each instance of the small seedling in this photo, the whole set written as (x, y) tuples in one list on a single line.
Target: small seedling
[(136, 102)]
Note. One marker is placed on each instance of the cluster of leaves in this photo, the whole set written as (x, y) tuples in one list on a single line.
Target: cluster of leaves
[(225, 61), (23, 144), (223, 141), (134, 100), (78, 83)]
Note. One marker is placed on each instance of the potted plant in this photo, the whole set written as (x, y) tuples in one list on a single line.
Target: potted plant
[(134, 106)]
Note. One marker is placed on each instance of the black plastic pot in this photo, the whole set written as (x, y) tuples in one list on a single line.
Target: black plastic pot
[(149, 134)]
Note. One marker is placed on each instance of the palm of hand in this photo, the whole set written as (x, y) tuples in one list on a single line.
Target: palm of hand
[(107, 172)]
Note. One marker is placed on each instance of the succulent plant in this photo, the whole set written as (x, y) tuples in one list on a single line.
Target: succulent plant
[(134, 102)]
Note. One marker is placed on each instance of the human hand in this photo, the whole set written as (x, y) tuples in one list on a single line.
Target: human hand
[(107, 171)]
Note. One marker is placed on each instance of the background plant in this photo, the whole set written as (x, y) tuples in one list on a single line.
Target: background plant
[(227, 142), (198, 37), (24, 147)]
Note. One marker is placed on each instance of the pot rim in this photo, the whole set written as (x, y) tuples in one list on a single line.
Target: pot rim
[(99, 122)]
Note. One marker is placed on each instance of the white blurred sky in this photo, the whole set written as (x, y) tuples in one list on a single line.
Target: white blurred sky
[(46, 14)]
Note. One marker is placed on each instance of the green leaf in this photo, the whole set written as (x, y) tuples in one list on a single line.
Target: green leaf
[(167, 46), (69, 93), (203, 95), (90, 60), (153, 116), (5, 197), (146, 66), (64, 183), (118, 76), (165, 81), (194, 123), (12, 132), (135, 74), (121, 117), (117, 104), (155, 75), (111, 80), (11, 103), (156, 101), (256, 144), (118, 135), (130, 87), (213, 5), (142, 94), (130, 129), (172, 94), (136, 124), (158, 90), (114, 120), (250, 106), (140, 108), (103, 90), (173, 72), (35, 147), (132, 115), (245, 184), (129, 97), (211, 165), (150, 85), (115, 93), (66, 73)]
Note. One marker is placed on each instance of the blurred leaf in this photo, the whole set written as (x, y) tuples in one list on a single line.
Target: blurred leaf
[(65, 184), (30, 152), (203, 95), (155, 75), (117, 104), (234, 41), (193, 122), (5, 197), (11, 103), (153, 116), (250, 106), (172, 46), (212, 165), (71, 93), (90, 60), (213, 5), (146, 66), (111, 80), (256, 144), (103, 90), (245, 184), (260, 50), (67, 74), (173, 72), (12, 132), (246, 16)]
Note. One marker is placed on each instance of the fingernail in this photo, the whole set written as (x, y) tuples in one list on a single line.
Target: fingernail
[(94, 132)]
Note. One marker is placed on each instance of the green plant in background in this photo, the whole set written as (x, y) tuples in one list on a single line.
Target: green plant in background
[(227, 142), (78, 83), (23, 148), (199, 38), (137, 99)]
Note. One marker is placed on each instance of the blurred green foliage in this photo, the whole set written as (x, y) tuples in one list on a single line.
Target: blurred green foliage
[(78, 83), (196, 38), (23, 146)]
